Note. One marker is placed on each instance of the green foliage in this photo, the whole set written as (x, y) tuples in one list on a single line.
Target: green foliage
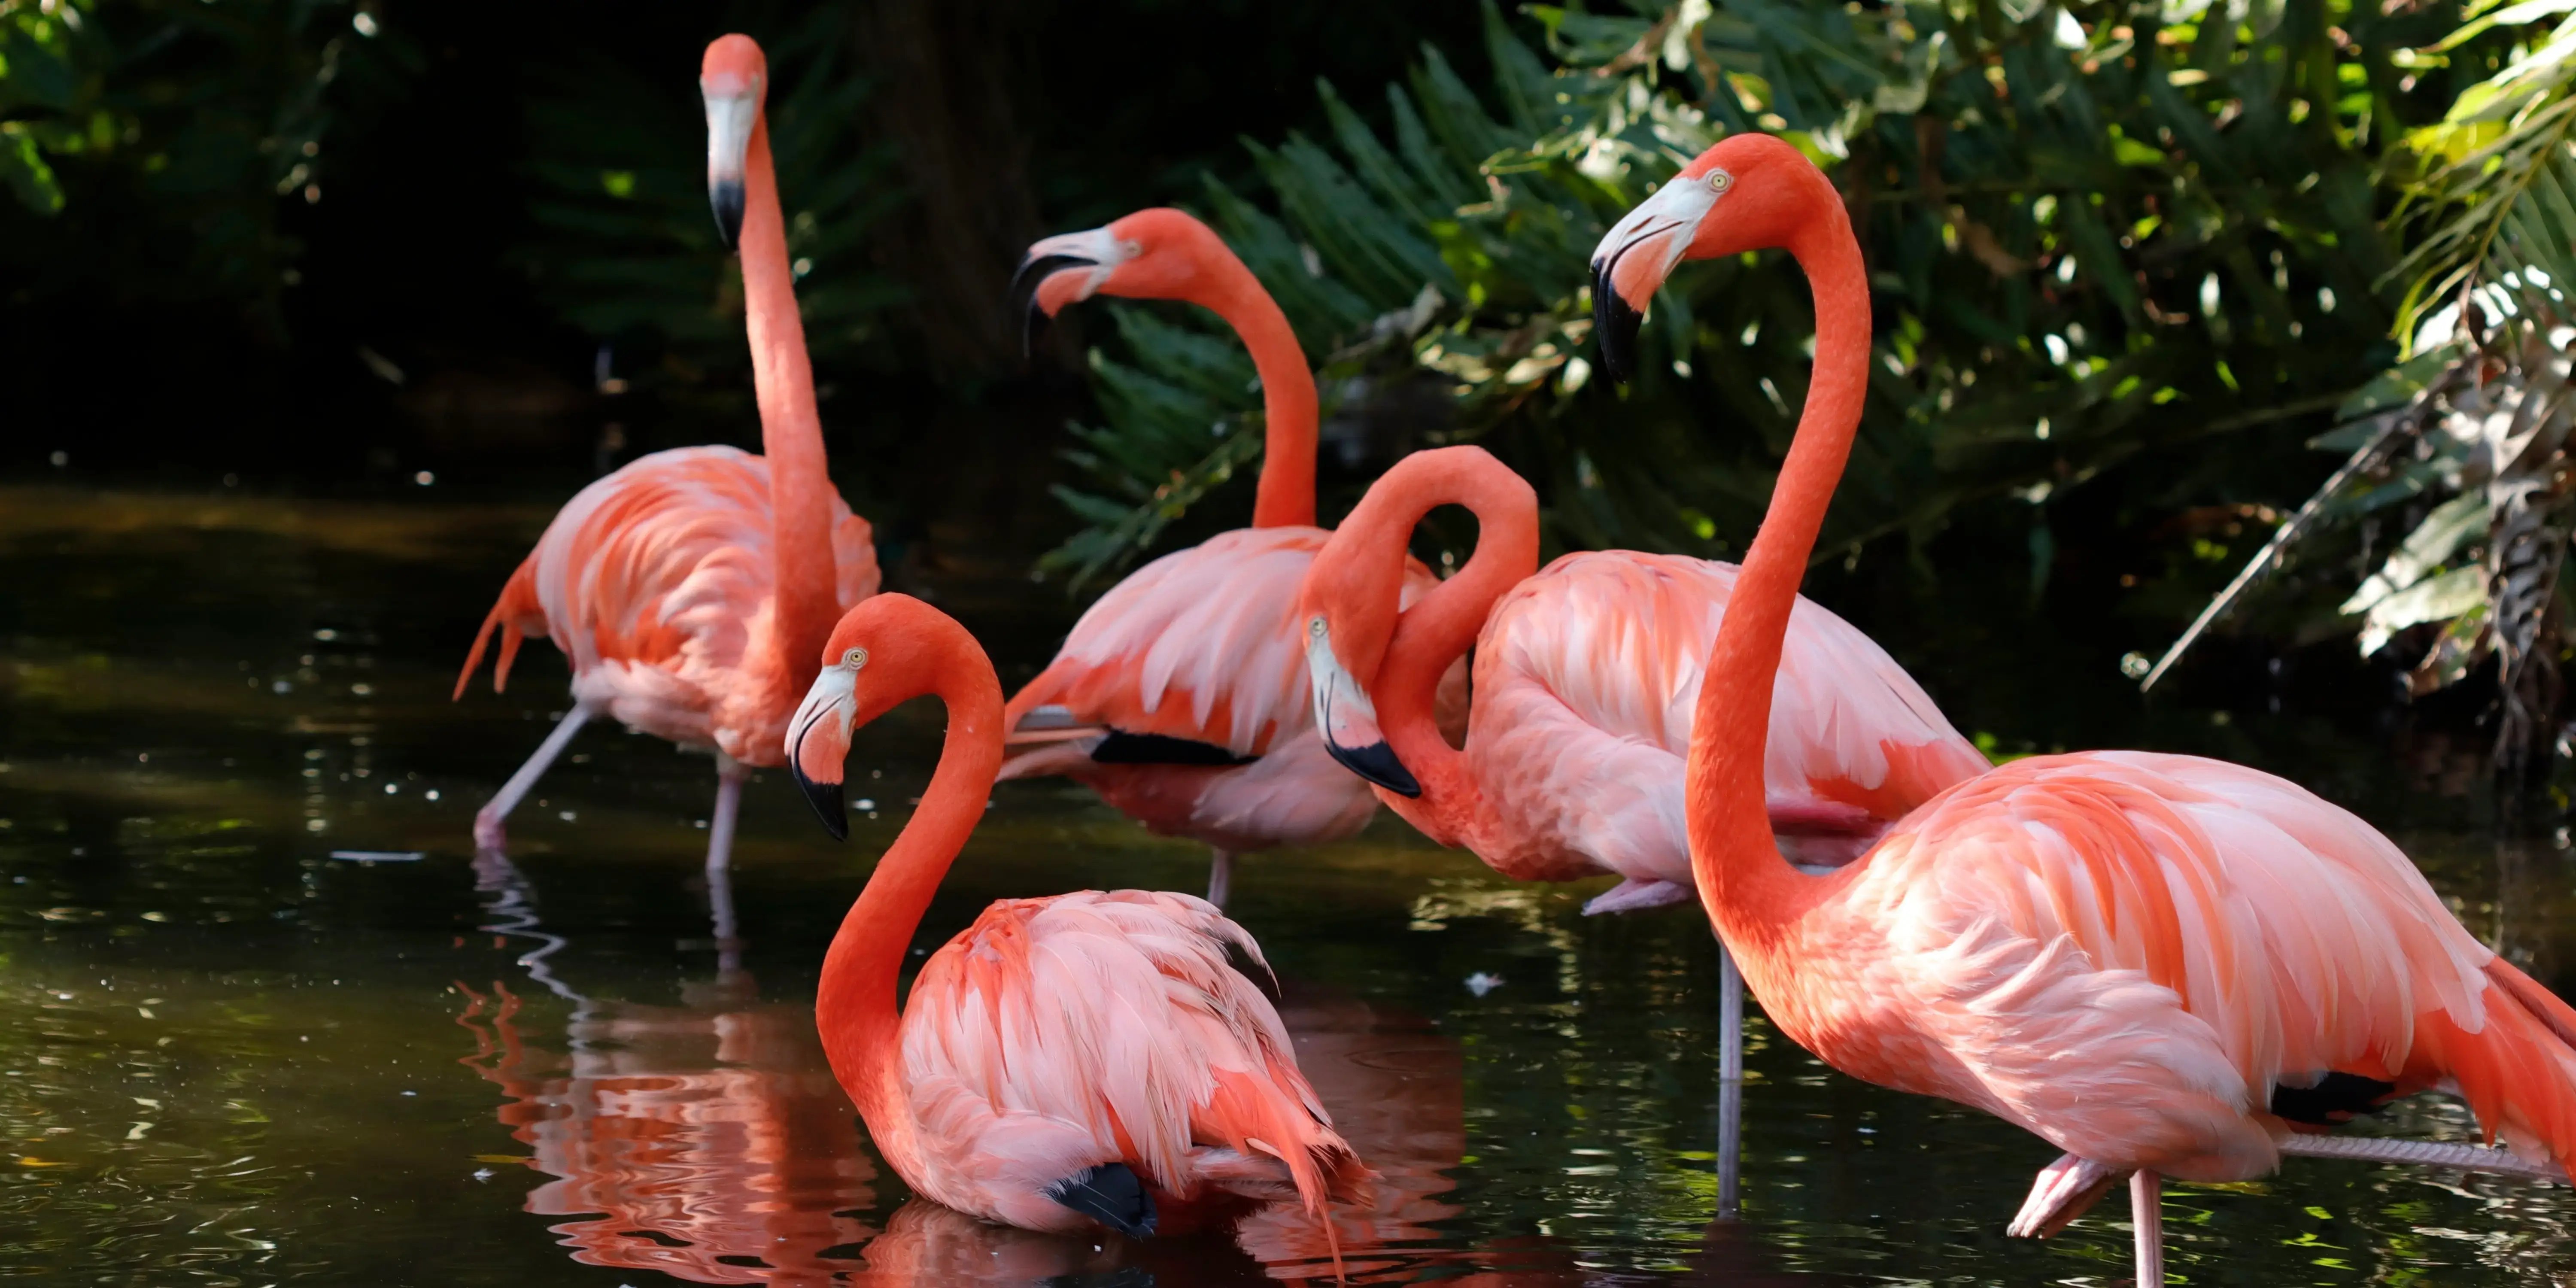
[(2104, 236), (628, 250), (2466, 444), (188, 125)]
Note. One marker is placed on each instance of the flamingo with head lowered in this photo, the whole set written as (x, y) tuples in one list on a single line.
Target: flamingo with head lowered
[(1087, 1060), (2163, 965), (692, 588), (1180, 696)]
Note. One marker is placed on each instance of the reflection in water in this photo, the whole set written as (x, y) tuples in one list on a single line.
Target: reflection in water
[(707, 1141), (1392, 1084)]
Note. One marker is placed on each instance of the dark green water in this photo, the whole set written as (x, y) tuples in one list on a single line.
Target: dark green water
[(227, 1057)]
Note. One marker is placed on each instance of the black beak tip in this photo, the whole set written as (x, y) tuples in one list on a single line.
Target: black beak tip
[(1376, 762), (727, 199), (1614, 323), (826, 800), (1033, 272)]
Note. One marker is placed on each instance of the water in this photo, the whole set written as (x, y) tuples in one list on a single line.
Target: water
[(227, 1057)]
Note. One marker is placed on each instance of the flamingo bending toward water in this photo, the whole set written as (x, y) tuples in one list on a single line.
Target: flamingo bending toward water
[(1180, 695), (1091, 1057), (2163, 965), (692, 588)]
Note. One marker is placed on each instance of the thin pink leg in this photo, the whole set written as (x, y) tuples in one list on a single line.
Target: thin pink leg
[(1220, 878), (729, 776), (2147, 1218), (488, 832)]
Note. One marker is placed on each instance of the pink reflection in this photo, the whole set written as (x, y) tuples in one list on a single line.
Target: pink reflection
[(706, 1141), (1392, 1084)]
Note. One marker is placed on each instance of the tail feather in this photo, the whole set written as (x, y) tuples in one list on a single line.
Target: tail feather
[(2519, 1070), (517, 604)]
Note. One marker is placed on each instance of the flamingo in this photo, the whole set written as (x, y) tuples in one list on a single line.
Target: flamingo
[(692, 588), (2162, 965), (1179, 696), (1584, 679), (1095, 1059)]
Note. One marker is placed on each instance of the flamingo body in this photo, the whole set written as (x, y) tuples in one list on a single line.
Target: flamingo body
[(1200, 646), (2130, 954), (1087, 1058), (1586, 679), (656, 582), (2163, 964), (1056, 1035)]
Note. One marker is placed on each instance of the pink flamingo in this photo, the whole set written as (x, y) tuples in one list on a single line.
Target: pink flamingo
[(1180, 696), (2163, 965), (692, 588), (1584, 678), (1091, 1057)]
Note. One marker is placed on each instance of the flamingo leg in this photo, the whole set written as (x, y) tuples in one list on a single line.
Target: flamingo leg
[(488, 832), (728, 927), (2147, 1218), (2063, 1191), (729, 776), (1730, 1084), (1220, 879)]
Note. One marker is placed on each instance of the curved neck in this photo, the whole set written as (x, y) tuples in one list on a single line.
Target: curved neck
[(1748, 888), (1442, 627), (791, 434), (1288, 406), (854, 1004)]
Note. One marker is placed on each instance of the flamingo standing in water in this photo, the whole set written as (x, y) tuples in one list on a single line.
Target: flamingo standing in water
[(1584, 679), (1180, 696), (2164, 965), (692, 588), (1087, 1058)]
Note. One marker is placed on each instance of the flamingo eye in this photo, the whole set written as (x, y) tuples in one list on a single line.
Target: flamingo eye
[(1720, 181), (1131, 248), (1315, 628), (855, 658)]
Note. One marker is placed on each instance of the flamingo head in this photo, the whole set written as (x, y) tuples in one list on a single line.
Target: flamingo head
[(1347, 608), (1749, 192), (880, 655), (732, 79), (1159, 254)]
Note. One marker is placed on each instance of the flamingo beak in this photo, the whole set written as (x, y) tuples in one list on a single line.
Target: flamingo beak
[(1633, 260), (1347, 720), (818, 740), (732, 110), (1062, 270)]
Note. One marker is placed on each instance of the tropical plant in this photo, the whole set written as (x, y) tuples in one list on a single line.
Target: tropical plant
[(628, 251), (2108, 239), (2465, 445), (187, 126)]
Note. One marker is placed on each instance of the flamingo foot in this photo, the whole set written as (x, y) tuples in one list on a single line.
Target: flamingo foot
[(1633, 894), (2063, 1191)]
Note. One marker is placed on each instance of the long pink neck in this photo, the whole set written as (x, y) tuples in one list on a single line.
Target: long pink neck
[(854, 1005), (1750, 891), (1442, 627), (1289, 414), (791, 434)]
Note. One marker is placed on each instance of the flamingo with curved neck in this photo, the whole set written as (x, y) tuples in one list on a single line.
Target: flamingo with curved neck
[(1584, 676), (1087, 1059), (692, 588), (1180, 696), (2163, 965)]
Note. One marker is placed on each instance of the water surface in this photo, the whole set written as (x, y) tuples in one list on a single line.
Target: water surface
[(227, 1057)]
